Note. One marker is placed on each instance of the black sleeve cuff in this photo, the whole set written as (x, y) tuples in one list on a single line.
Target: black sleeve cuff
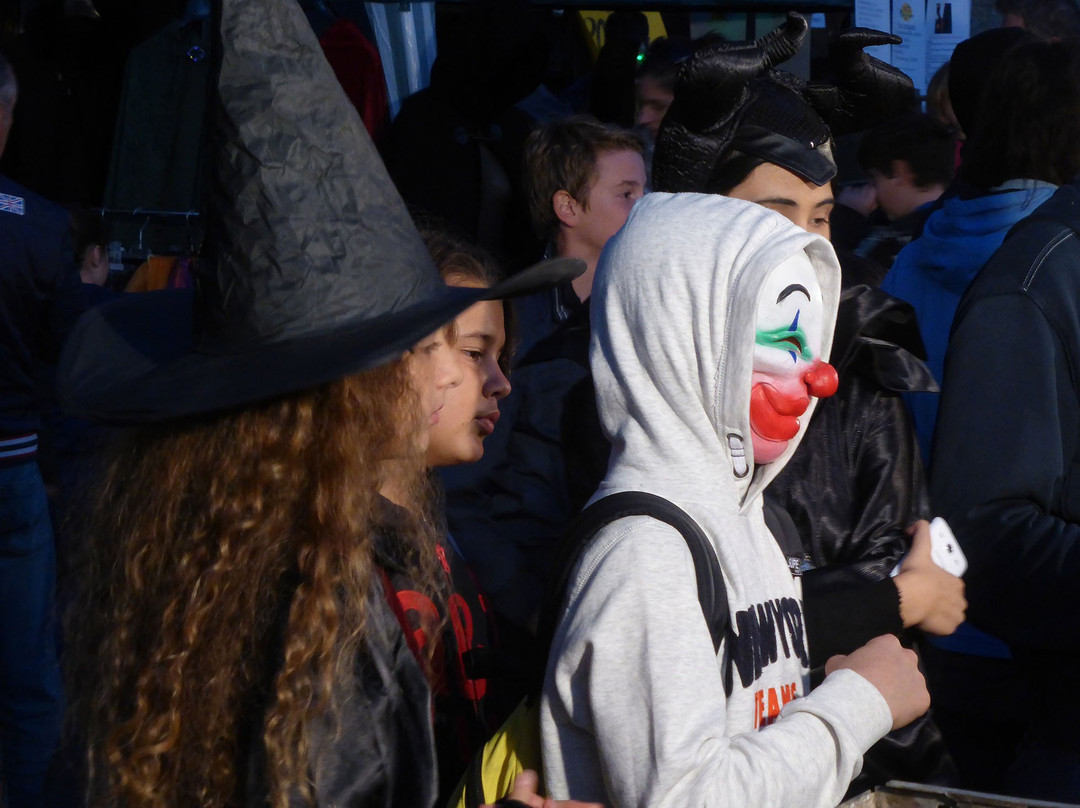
[(840, 619)]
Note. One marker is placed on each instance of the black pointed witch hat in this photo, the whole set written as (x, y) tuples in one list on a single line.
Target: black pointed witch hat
[(316, 270)]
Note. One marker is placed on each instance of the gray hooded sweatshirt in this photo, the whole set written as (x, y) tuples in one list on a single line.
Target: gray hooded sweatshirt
[(635, 710)]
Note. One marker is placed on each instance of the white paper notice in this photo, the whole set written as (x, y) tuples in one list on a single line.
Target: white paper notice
[(930, 30), (909, 23), (948, 23)]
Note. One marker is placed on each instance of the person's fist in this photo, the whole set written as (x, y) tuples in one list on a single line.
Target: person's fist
[(524, 795), (894, 671)]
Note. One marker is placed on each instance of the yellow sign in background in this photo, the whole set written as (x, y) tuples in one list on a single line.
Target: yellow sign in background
[(594, 21)]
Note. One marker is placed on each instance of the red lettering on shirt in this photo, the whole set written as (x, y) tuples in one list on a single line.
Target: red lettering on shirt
[(462, 621), (774, 706)]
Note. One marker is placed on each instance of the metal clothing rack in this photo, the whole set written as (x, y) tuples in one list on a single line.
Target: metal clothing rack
[(149, 212), (129, 247)]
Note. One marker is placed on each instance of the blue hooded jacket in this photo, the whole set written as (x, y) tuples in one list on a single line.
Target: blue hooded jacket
[(933, 271)]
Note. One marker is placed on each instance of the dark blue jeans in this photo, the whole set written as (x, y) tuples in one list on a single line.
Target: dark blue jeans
[(31, 697)]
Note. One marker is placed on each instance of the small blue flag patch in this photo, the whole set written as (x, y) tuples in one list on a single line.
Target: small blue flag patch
[(12, 204)]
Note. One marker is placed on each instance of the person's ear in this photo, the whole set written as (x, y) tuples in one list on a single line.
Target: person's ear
[(901, 170), (565, 207)]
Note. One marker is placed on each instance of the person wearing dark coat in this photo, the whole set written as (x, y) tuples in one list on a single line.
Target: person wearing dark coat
[(1021, 147), (40, 299), (455, 149), (1006, 455)]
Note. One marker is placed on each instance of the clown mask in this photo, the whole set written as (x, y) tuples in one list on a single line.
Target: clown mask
[(788, 368)]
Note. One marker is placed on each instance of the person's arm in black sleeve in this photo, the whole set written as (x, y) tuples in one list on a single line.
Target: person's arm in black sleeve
[(843, 610), (853, 600), (840, 619), (58, 277), (866, 455)]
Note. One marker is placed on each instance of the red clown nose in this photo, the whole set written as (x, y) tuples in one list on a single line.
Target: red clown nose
[(821, 379)]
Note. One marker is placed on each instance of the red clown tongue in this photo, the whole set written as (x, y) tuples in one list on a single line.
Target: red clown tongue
[(774, 415)]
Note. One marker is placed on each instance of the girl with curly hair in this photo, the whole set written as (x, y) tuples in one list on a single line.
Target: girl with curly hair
[(233, 595)]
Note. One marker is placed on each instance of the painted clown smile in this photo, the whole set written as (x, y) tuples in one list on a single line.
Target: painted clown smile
[(773, 415)]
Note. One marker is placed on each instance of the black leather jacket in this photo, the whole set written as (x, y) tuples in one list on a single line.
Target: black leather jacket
[(856, 480), (853, 485), (377, 750)]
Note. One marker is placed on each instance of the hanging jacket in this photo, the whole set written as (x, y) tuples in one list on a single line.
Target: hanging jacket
[(158, 147), (933, 271), (358, 67), (635, 708)]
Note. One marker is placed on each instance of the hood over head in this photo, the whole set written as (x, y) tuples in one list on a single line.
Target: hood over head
[(971, 65), (674, 328)]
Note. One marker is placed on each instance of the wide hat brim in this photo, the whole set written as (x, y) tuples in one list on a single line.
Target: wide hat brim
[(134, 360)]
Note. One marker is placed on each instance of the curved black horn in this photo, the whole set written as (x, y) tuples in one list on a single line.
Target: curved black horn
[(714, 78), (781, 43), (871, 91), (848, 46)]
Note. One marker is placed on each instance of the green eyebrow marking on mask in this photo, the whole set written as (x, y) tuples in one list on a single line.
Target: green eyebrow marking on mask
[(791, 339)]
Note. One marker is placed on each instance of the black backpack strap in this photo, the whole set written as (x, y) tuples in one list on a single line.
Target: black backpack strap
[(782, 527), (712, 593), (474, 780)]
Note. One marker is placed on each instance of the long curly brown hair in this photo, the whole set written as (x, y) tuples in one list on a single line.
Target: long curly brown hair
[(207, 540)]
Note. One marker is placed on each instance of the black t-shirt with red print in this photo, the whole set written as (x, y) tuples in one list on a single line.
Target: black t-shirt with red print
[(467, 674)]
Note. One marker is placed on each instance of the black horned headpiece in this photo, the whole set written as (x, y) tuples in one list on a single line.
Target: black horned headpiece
[(732, 111)]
